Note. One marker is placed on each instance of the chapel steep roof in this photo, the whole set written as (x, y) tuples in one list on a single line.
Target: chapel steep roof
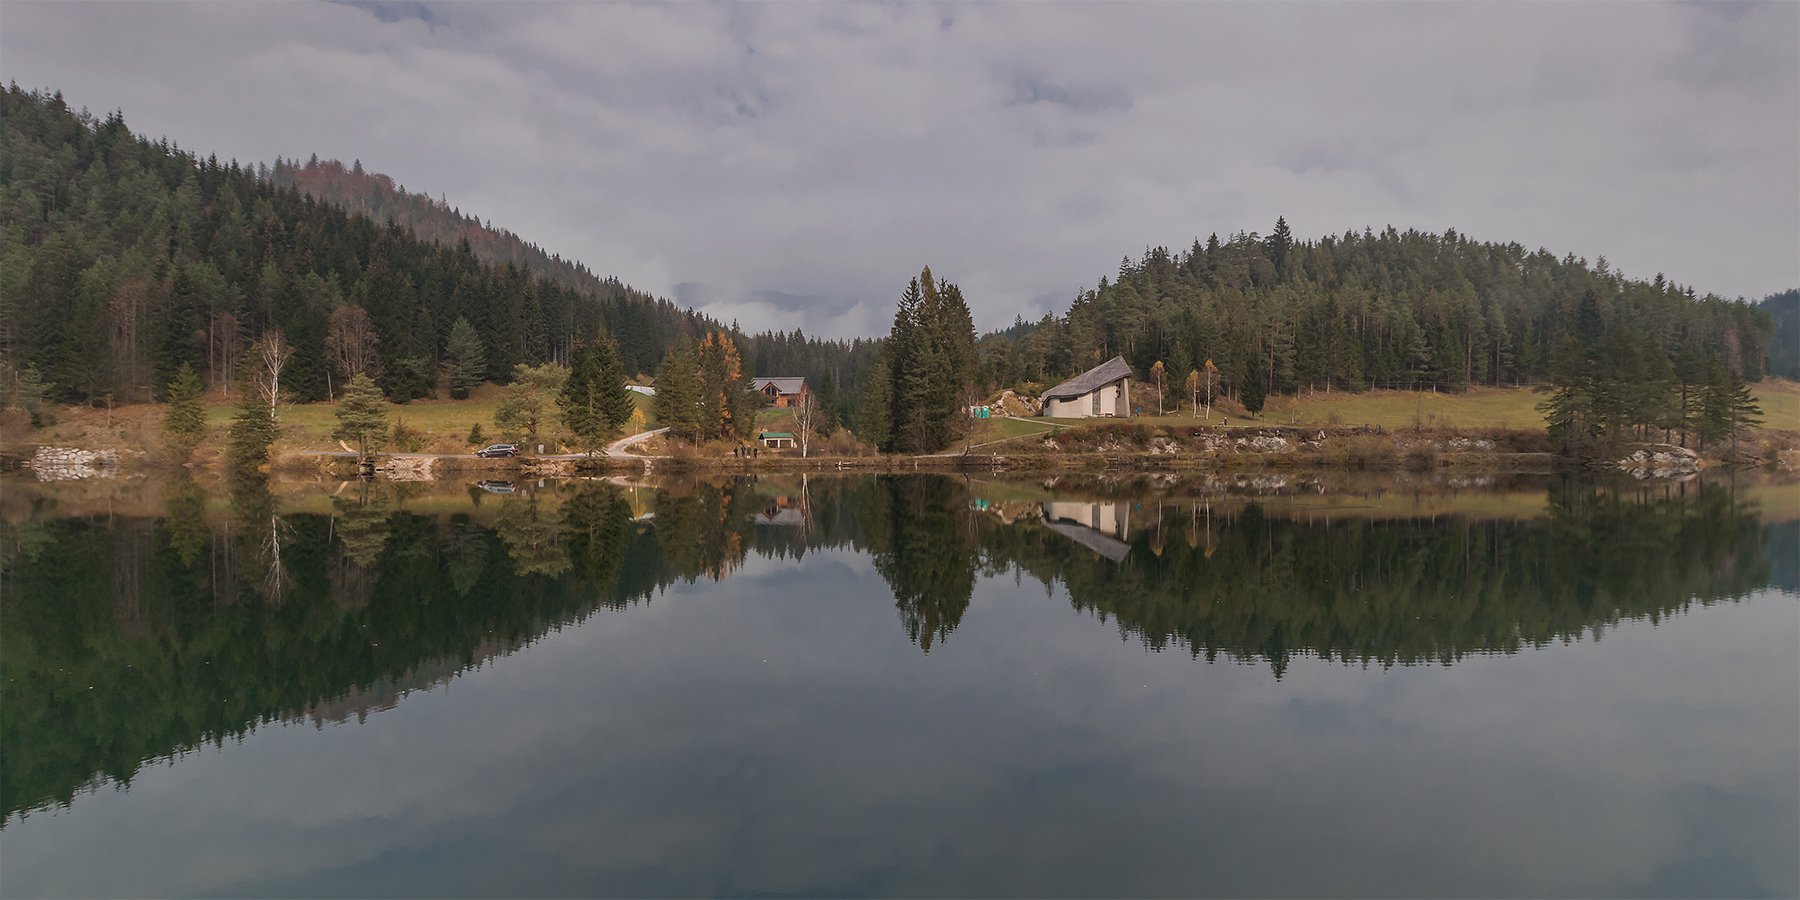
[(1093, 379)]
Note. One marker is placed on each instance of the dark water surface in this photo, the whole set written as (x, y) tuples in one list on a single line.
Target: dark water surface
[(907, 685)]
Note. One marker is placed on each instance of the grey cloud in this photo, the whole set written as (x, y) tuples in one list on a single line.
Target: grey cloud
[(1107, 98), (393, 10)]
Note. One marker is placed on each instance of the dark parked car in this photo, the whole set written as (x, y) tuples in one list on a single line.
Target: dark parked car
[(498, 450), (497, 487)]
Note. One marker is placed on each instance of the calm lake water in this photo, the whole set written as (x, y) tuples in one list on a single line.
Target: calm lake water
[(901, 685)]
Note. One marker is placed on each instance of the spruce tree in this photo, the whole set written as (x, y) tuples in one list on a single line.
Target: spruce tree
[(1717, 400), (677, 402), (1745, 411), (594, 401), (828, 405), (1251, 392), (184, 422), (609, 385), (252, 431), (465, 363), (873, 423), (362, 419)]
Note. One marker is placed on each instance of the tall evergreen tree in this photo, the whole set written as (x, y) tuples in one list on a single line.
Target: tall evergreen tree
[(184, 420), (252, 432), (874, 423), (593, 400), (1250, 392), (677, 402), (465, 363), (361, 417)]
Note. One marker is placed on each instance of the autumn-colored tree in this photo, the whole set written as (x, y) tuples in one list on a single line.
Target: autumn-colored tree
[(1209, 381), (727, 403)]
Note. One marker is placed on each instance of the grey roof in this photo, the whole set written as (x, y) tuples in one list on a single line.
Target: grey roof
[(786, 385), (1087, 382), (1091, 539)]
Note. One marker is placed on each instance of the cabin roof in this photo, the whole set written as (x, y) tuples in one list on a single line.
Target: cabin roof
[(784, 384), (1093, 379)]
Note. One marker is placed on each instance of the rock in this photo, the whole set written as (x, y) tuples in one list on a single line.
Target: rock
[(69, 463), (1664, 462), (406, 468)]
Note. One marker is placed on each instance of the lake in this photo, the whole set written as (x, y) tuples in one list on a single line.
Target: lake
[(911, 685)]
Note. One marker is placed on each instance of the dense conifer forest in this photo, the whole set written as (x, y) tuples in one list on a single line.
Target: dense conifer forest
[(1391, 309), (124, 259)]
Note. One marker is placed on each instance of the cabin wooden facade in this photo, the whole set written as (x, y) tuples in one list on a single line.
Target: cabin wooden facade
[(782, 392)]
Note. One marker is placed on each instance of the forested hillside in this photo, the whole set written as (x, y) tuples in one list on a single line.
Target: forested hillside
[(378, 197), (1391, 309), (1784, 349), (122, 259)]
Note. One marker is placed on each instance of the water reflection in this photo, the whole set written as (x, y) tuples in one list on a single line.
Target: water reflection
[(131, 638)]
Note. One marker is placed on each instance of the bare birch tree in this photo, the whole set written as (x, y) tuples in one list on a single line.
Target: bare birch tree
[(1209, 378), (272, 356), (807, 417)]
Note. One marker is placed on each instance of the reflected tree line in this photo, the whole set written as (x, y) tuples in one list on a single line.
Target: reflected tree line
[(131, 639), (1254, 587)]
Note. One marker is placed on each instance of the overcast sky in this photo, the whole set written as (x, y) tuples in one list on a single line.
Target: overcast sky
[(791, 165)]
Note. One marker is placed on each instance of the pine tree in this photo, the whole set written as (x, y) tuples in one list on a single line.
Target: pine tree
[(874, 425), (1251, 391), (521, 411), (361, 417), (1745, 411), (1280, 241), (184, 422), (594, 401), (677, 401), (1571, 411), (465, 363), (828, 405), (609, 384), (1717, 400), (252, 431)]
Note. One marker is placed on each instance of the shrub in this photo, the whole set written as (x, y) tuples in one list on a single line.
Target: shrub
[(475, 435), (407, 440)]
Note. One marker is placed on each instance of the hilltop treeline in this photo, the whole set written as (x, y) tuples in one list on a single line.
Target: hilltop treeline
[(378, 197), (125, 258), (1359, 310)]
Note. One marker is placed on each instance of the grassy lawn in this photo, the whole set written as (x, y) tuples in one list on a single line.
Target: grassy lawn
[(1001, 429), (1780, 401), (1478, 408), (446, 423)]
